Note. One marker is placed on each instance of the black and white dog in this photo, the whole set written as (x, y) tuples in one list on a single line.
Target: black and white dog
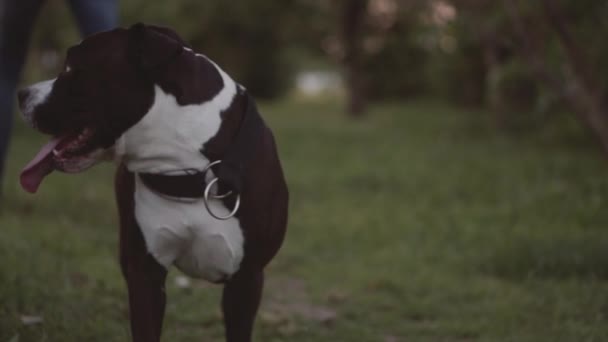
[(199, 183)]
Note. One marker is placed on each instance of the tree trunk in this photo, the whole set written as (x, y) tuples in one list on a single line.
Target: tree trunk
[(493, 76), (581, 91), (353, 17), (586, 87)]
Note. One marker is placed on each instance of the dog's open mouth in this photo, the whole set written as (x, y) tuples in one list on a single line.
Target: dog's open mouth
[(68, 153)]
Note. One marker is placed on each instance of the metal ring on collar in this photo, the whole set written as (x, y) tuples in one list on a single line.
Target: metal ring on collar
[(237, 204), (205, 170)]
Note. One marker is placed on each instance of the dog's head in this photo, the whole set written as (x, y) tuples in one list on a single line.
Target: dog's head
[(106, 86)]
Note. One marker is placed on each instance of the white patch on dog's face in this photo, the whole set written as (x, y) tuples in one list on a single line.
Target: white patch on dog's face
[(37, 95)]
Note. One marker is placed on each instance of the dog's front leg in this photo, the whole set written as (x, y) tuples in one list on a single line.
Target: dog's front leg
[(146, 285), (240, 302), (145, 277)]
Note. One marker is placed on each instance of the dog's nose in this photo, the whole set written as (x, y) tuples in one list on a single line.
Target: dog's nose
[(22, 96)]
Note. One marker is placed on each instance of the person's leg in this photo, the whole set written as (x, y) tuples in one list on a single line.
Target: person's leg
[(16, 22), (94, 16)]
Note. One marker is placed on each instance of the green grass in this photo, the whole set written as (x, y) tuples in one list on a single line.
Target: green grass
[(422, 223)]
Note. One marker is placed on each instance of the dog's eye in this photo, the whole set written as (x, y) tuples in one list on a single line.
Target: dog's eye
[(70, 72)]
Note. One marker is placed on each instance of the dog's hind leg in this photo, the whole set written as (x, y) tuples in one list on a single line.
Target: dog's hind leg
[(240, 302), (145, 277)]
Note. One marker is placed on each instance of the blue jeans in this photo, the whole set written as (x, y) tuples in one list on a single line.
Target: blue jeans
[(16, 22)]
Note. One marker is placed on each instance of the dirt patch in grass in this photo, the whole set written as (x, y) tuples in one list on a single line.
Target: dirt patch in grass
[(287, 303)]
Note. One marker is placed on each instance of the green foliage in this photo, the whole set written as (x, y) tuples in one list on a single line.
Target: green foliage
[(421, 223), (516, 87), (398, 70), (458, 76), (262, 43), (587, 19), (481, 26), (243, 37)]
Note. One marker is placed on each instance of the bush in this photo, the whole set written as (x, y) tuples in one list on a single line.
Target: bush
[(398, 70)]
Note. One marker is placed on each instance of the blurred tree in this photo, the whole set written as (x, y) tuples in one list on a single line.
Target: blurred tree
[(396, 59), (375, 44), (512, 58), (527, 57), (353, 16), (479, 67), (554, 36), (454, 37), (245, 38)]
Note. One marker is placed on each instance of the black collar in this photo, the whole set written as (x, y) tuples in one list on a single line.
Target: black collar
[(230, 171)]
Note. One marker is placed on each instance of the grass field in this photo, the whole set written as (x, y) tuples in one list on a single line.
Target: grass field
[(420, 224)]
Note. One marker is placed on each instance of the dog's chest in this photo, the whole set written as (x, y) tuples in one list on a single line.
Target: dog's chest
[(184, 234)]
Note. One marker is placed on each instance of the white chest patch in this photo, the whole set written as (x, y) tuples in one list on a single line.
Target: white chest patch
[(168, 139), (184, 234)]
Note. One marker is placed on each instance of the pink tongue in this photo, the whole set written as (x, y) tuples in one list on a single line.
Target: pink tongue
[(39, 167)]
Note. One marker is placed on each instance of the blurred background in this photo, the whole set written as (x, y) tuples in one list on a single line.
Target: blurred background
[(446, 161), (505, 56)]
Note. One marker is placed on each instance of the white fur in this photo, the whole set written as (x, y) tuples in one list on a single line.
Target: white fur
[(184, 234), (38, 93), (168, 138)]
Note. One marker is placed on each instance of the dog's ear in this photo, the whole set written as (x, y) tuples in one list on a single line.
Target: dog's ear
[(169, 33), (153, 46)]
